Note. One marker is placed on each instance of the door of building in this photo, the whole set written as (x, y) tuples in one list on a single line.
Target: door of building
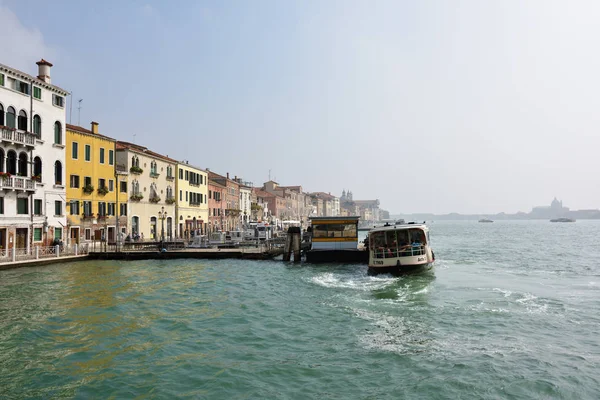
[(21, 241), (74, 235)]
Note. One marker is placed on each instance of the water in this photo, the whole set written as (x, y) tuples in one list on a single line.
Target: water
[(509, 311)]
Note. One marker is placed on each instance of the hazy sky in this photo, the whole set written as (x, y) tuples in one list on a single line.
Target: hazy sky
[(430, 106)]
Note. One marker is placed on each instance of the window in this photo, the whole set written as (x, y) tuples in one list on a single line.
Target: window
[(186, 195), (88, 234), (21, 86), (58, 101), (22, 121), (111, 209), (187, 176), (58, 207), (22, 206), (58, 233), (1, 205), (87, 181), (1, 115), (74, 181), (87, 208), (101, 156), (37, 234), (1, 79), (37, 92), (101, 209), (111, 185), (11, 118), (123, 187), (180, 195), (88, 152), (75, 150), (111, 157), (123, 210), (37, 125), (37, 207), (101, 183), (57, 133), (180, 173), (210, 194), (74, 207), (57, 173)]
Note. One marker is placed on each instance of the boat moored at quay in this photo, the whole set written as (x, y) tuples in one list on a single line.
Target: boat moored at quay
[(400, 249)]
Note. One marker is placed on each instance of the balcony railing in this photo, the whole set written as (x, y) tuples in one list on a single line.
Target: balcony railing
[(18, 137), (17, 183)]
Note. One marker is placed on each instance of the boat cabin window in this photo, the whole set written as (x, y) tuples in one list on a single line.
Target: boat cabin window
[(397, 243), (334, 231)]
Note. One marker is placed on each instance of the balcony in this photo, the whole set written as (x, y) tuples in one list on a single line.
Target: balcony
[(17, 183), (232, 212), (18, 138), (154, 174), (170, 178), (136, 196), (170, 200)]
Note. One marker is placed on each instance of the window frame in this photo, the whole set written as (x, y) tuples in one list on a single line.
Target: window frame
[(75, 151)]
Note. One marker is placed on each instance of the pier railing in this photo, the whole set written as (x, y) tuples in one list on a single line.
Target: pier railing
[(42, 252)]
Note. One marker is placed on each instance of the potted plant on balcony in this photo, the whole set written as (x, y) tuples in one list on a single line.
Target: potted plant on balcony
[(5, 174), (136, 170), (102, 190), (136, 196), (37, 178), (101, 216), (86, 216), (170, 200), (87, 189), (154, 199)]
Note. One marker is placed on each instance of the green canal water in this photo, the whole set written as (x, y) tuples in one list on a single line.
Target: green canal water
[(511, 310)]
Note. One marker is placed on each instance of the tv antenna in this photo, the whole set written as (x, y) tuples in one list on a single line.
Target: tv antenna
[(79, 112)]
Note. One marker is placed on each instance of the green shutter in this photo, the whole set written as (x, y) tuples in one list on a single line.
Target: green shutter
[(1, 79), (58, 233), (37, 92), (37, 234), (87, 152)]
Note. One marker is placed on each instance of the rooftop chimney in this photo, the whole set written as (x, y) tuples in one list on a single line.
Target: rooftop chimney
[(94, 127), (44, 70), (228, 175)]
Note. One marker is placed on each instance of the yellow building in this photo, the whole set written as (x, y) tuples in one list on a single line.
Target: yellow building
[(92, 187), (191, 195)]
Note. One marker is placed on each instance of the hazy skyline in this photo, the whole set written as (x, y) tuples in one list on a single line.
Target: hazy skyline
[(430, 106)]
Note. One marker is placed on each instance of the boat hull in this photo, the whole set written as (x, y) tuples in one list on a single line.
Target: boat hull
[(401, 269), (335, 256)]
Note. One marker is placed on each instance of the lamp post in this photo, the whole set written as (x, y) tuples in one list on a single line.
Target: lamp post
[(162, 215)]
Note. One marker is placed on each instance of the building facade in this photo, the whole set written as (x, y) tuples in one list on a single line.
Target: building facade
[(92, 187), (216, 206), (32, 159), (231, 199), (192, 200), (151, 189)]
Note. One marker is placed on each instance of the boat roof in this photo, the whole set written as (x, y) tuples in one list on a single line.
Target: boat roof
[(399, 227)]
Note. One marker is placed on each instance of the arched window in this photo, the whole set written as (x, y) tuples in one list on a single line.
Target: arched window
[(22, 120), (153, 227), (1, 160), (57, 133), (11, 162), (57, 173), (23, 164), (37, 168), (11, 117), (137, 162), (133, 161), (37, 125), (1, 115)]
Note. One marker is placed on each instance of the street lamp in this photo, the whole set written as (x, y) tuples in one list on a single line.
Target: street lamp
[(162, 215)]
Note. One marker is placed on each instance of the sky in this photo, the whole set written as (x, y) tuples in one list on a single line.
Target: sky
[(429, 106)]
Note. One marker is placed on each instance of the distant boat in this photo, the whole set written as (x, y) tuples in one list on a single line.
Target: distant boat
[(562, 220), (485, 220)]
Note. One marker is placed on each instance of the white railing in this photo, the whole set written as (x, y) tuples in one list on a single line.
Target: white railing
[(17, 182), (20, 137), (41, 252), (406, 251)]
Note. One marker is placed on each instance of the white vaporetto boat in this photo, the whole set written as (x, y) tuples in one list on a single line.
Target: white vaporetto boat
[(400, 249)]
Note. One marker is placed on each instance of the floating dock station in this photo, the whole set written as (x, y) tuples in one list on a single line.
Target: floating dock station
[(335, 239)]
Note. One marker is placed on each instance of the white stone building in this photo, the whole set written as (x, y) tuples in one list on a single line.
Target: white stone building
[(245, 204), (32, 159)]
